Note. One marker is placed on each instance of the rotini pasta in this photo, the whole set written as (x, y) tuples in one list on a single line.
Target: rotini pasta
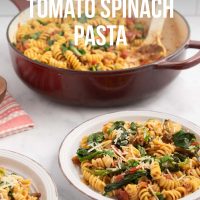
[(132, 190), (132, 160), (93, 181)]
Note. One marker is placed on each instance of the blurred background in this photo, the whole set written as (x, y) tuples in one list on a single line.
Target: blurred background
[(186, 7)]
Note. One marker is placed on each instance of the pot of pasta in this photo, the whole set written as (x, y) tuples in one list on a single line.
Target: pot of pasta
[(49, 61)]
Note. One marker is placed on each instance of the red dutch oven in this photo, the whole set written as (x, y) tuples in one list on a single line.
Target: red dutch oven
[(106, 88)]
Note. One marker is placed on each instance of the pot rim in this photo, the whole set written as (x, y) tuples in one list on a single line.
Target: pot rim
[(112, 72)]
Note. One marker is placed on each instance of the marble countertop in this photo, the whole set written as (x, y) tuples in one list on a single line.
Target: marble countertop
[(54, 121)]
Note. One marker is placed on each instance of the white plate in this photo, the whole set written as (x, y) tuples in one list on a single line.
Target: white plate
[(27, 168), (71, 144)]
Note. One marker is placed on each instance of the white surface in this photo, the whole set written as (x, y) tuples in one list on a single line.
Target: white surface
[(41, 182), (72, 143), (198, 8), (187, 7), (54, 121)]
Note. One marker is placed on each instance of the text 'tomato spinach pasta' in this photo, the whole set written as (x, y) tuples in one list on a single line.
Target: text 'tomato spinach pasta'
[(52, 41)]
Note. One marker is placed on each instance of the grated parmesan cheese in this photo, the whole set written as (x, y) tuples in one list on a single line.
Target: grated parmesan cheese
[(173, 178), (181, 177), (118, 152), (8, 181), (118, 135), (153, 192)]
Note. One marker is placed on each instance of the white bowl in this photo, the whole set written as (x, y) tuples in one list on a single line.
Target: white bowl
[(72, 140), (27, 168)]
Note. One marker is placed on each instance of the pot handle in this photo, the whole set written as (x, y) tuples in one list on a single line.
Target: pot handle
[(21, 4), (191, 62)]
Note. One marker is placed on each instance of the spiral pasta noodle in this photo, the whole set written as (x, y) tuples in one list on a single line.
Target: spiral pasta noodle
[(94, 181), (31, 53), (56, 63), (155, 171), (132, 191), (105, 162), (144, 193), (159, 148), (72, 60)]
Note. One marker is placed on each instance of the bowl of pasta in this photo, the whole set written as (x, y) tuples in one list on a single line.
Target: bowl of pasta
[(22, 178), (45, 57), (133, 155)]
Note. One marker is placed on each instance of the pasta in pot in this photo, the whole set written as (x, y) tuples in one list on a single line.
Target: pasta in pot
[(51, 41), (15, 187), (113, 163)]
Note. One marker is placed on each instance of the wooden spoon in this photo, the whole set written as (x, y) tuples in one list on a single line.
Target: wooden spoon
[(153, 39), (3, 88)]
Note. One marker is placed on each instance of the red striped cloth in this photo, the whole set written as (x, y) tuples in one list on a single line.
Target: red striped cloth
[(12, 118)]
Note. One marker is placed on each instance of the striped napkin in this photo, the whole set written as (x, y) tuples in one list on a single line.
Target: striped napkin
[(12, 118)]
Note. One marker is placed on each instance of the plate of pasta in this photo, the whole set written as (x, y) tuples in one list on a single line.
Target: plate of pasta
[(23, 179), (133, 155)]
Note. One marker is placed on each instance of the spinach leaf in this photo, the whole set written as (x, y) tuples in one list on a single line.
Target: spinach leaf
[(83, 154), (132, 163), (166, 159), (104, 47), (64, 48), (129, 178), (50, 42), (47, 49), (133, 128), (82, 51), (183, 139), (101, 172), (178, 157), (10, 194), (147, 135), (75, 50), (105, 172), (96, 138), (160, 196), (94, 68), (26, 37), (83, 19), (41, 22), (116, 125), (36, 35), (61, 33), (142, 150), (139, 26), (123, 139), (168, 163), (124, 167)]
